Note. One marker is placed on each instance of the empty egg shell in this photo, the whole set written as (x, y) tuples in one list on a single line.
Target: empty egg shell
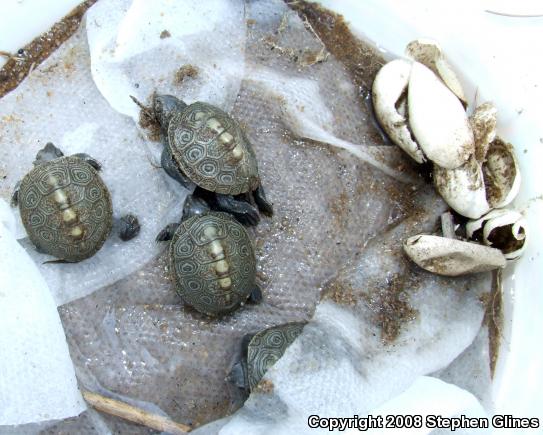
[(429, 53), (463, 188), (501, 174), (483, 123), (438, 119), (503, 229), (451, 257), (389, 95)]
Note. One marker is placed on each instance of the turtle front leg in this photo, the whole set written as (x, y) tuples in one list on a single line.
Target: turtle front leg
[(244, 212), (194, 206), (47, 153), (167, 233), (15, 195), (168, 164), (255, 297), (262, 202), (88, 159)]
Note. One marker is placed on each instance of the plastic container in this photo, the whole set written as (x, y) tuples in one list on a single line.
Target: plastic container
[(498, 59)]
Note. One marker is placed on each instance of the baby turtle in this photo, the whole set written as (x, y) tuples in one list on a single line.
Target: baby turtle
[(206, 150), (260, 351), (66, 207), (212, 260)]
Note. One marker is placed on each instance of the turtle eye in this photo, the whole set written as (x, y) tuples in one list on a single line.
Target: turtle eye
[(164, 106), (157, 107)]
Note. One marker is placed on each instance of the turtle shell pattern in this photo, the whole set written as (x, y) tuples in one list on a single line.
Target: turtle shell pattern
[(212, 262), (66, 208), (212, 150), (267, 346)]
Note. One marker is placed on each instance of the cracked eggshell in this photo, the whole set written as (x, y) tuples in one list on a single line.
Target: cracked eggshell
[(501, 174), (429, 53), (388, 93), (463, 188), (483, 124), (451, 257), (438, 119), (503, 229)]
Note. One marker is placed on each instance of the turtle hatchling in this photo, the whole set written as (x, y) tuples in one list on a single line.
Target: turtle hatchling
[(66, 207), (260, 351), (207, 151), (212, 260)]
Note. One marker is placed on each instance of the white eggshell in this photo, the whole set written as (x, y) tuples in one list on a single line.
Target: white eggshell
[(451, 257), (438, 120), (463, 188), (483, 124), (501, 174), (389, 86), (499, 218), (429, 53)]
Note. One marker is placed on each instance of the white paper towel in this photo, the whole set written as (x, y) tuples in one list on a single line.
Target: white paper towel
[(128, 56), (59, 102), (37, 380), (340, 366), (429, 396), (126, 48)]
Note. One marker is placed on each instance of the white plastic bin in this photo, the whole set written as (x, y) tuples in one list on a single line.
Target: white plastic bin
[(498, 57)]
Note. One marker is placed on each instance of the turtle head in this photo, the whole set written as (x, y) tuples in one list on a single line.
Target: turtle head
[(47, 153), (165, 106), (238, 375)]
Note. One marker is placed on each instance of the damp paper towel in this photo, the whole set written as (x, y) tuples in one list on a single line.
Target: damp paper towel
[(339, 366), (338, 221), (37, 379), (79, 100)]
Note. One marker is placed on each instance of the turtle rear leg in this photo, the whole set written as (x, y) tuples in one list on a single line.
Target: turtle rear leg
[(88, 159), (15, 195), (47, 153), (129, 227), (167, 233), (262, 202), (241, 210)]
